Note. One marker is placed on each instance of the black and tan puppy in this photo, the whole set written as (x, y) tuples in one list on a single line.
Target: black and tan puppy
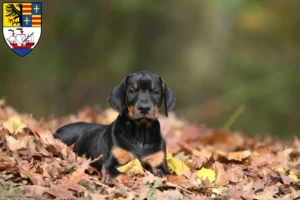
[(134, 134)]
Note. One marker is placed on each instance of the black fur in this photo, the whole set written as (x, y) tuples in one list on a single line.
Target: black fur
[(136, 129)]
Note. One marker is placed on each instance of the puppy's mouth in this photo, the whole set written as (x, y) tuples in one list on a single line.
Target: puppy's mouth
[(144, 120)]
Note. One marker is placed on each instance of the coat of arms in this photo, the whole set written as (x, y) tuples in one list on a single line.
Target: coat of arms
[(22, 23)]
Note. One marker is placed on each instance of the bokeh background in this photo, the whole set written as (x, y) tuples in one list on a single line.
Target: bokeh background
[(220, 58)]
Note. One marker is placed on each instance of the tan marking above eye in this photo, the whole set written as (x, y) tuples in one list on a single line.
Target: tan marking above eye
[(155, 159), (135, 86), (122, 155), (152, 86)]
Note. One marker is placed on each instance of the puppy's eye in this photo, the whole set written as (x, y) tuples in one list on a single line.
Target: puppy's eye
[(131, 91), (155, 92)]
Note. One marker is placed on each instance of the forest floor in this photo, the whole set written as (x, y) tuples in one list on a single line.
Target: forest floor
[(210, 164)]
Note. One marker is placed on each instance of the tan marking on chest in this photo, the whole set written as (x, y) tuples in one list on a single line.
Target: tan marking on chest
[(155, 159), (122, 155)]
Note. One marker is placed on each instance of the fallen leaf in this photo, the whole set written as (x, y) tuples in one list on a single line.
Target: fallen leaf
[(79, 173), (205, 173), (203, 153), (286, 179), (239, 155), (177, 165), (34, 158), (36, 178), (294, 176), (177, 180), (130, 196), (61, 192), (172, 194), (280, 169), (16, 144), (222, 176), (218, 190), (133, 167), (14, 125), (235, 173), (6, 163), (34, 190)]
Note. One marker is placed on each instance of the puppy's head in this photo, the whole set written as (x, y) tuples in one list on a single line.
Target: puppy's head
[(140, 96)]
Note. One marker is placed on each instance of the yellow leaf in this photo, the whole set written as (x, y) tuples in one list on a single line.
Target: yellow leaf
[(205, 173), (218, 190), (294, 177), (132, 167), (177, 165), (14, 125), (169, 155), (280, 169), (239, 155), (256, 153)]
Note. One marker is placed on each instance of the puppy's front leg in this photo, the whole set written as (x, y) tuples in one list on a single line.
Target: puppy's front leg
[(156, 162), (119, 156), (163, 169), (111, 168)]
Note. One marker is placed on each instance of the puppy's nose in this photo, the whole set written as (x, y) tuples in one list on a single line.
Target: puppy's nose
[(145, 108)]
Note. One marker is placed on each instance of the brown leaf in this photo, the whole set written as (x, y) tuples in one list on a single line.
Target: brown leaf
[(286, 179), (222, 176), (177, 180), (34, 156), (235, 173), (239, 155), (16, 144), (79, 174), (6, 163), (27, 120), (34, 189), (61, 192), (36, 178)]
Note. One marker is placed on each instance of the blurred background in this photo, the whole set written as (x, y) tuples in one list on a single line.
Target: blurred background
[(226, 61)]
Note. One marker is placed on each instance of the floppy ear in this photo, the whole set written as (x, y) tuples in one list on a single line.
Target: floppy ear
[(168, 97), (117, 98)]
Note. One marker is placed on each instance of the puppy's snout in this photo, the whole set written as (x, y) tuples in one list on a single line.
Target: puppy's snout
[(144, 108)]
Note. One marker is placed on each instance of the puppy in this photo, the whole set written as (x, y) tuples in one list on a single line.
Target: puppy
[(134, 134)]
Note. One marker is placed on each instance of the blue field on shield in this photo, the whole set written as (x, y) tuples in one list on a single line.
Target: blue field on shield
[(22, 52)]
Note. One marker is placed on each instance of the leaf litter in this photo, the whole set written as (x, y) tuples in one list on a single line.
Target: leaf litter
[(207, 164)]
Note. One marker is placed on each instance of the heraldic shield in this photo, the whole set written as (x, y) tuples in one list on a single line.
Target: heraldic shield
[(22, 26)]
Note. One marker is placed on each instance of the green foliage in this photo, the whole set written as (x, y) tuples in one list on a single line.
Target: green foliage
[(157, 184)]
